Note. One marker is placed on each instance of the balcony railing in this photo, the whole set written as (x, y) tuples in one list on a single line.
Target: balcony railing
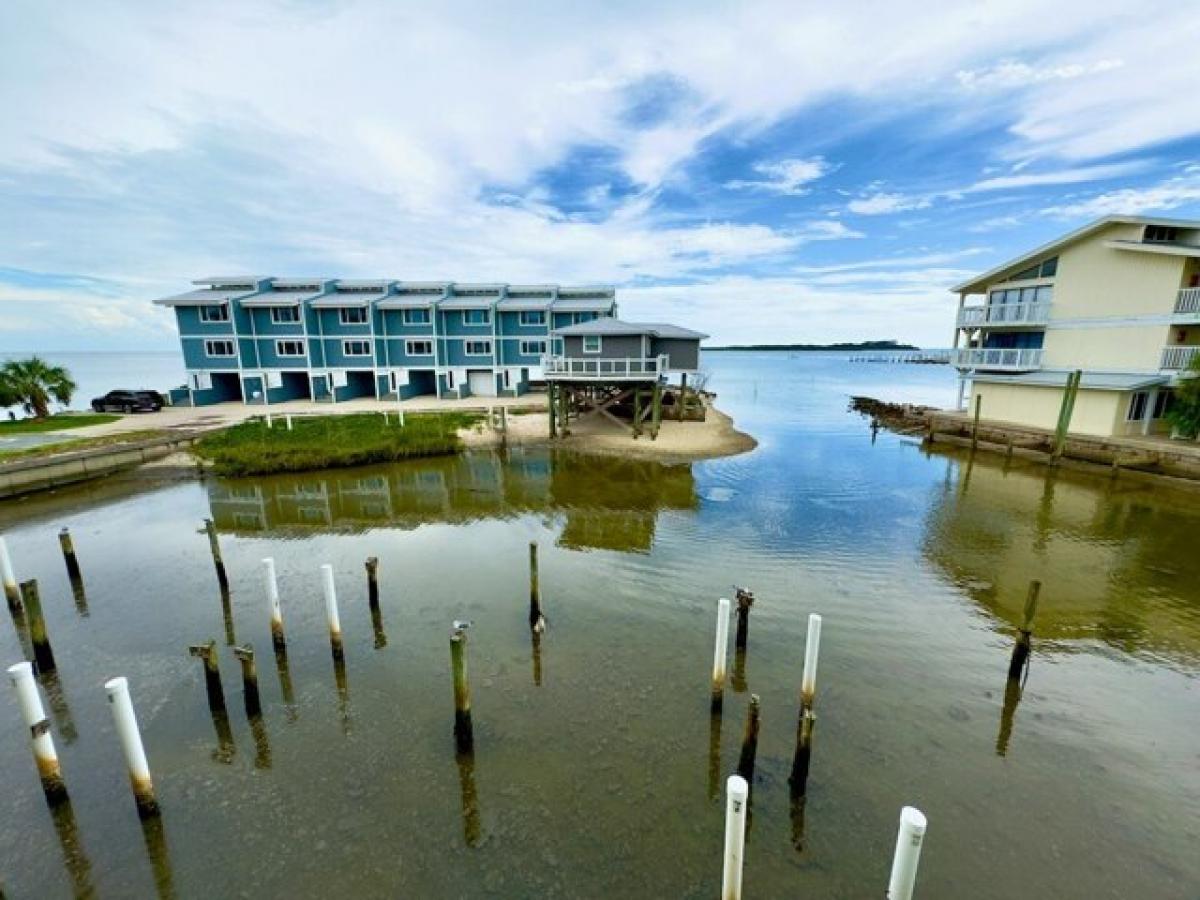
[(1007, 359), (1188, 302), (1178, 357), (993, 314), (630, 368)]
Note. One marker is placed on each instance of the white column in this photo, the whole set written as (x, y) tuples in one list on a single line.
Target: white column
[(34, 714), (812, 649), (1148, 415), (737, 792), (131, 743), (11, 591), (908, 854), (331, 609)]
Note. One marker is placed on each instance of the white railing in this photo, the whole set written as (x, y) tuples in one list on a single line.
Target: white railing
[(1188, 301), (1006, 358), (629, 367), (1178, 357), (1004, 314)]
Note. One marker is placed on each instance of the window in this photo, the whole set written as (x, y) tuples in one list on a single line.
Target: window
[(478, 348), (415, 317), (1050, 267), (533, 317), (477, 317), (1047, 268), (1162, 404), (450, 379), (218, 348), (1137, 406), (418, 348), (507, 379), (289, 348), (353, 315), (214, 313), (578, 317), (282, 315), (533, 348), (1160, 234), (356, 348), (591, 343)]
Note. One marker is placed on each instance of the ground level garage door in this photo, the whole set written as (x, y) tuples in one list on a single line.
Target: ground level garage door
[(482, 384)]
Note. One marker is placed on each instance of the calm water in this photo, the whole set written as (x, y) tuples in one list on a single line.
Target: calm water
[(596, 779)]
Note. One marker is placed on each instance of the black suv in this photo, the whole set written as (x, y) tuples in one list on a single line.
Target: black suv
[(129, 401)]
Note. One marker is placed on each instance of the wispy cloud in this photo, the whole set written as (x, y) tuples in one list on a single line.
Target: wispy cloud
[(1013, 73), (1161, 197), (785, 176), (882, 204)]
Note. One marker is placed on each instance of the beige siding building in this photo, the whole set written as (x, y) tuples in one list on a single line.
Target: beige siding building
[(1118, 299)]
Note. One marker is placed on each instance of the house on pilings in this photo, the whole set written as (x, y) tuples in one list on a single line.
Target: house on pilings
[(622, 371)]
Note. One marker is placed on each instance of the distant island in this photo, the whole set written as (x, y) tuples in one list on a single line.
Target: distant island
[(861, 345)]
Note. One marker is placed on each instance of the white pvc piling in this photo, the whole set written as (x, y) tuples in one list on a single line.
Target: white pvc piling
[(331, 609), (737, 792), (812, 648), (131, 743), (270, 421), (11, 591), (720, 652), (272, 586), (34, 715), (908, 854)]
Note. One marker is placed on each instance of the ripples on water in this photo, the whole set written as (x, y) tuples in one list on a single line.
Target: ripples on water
[(596, 781)]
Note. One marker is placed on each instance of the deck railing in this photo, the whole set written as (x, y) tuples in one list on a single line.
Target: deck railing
[(1009, 359), (603, 367), (1004, 314), (1178, 357), (1188, 301)]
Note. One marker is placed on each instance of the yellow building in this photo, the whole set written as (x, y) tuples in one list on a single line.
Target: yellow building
[(1118, 299)]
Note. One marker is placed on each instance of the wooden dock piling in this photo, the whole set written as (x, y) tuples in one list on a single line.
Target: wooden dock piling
[(372, 567), (68, 551), (745, 766), (745, 600), (214, 545), (32, 600), (537, 621), (1020, 654), (464, 735), (245, 656), (212, 674), (975, 423)]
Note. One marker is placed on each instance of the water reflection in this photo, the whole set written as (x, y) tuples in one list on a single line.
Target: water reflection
[(472, 830), (1115, 563), (155, 839), (285, 682), (79, 867), (64, 724), (610, 504)]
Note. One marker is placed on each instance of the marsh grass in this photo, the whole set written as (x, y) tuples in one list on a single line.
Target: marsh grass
[(331, 442)]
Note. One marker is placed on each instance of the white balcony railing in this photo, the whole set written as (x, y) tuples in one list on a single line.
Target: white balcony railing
[(1004, 314), (1178, 357), (1188, 302), (998, 358), (630, 368)]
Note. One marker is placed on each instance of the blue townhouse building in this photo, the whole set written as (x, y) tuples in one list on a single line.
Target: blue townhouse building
[(267, 340)]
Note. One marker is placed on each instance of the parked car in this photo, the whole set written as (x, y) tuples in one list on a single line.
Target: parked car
[(129, 401)]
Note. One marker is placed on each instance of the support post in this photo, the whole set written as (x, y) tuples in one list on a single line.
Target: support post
[(720, 655), (750, 741), (212, 675), (745, 599), (464, 735), (1021, 648), (68, 552), (737, 791), (682, 397), (908, 854), (331, 610), (125, 720), (656, 414), (215, 546), (250, 697), (637, 413), (32, 599), (537, 622), (44, 754), (372, 566), (1066, 411), (272, 586), (975, 423), (11, 592), (807, 721), (550, 387)]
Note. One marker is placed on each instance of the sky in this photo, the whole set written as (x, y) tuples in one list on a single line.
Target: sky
[(762, 171)]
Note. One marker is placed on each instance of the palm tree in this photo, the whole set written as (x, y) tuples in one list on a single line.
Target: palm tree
[(32, 382)]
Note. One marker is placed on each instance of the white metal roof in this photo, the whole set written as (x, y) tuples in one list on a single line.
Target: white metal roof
[(206, 297), (1096, 381), (614, 327)]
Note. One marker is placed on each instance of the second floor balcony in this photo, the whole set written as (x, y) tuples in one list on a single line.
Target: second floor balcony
[(1188, 302), (569, 368), (998, 315), (998, 359), (1178, 357)]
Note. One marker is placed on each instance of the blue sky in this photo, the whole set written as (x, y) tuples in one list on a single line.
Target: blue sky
[(759, 170)]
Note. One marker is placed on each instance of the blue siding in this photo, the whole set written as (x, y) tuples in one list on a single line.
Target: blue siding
[(188, 319)]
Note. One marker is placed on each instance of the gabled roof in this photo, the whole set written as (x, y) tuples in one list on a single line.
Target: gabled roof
[(615, 327), (980, 282)]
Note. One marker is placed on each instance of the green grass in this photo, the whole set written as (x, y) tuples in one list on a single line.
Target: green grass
[(73, 444), (330, 442), (58, 422)]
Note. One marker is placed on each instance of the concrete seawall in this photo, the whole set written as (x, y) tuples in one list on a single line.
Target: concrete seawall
[(24, 476)]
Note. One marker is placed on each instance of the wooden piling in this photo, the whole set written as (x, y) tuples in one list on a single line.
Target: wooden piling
[(464, 736), (1066, 410), (975, 423), (550, 408), (656, 410), (745, 766), (12, 593), (32, 600), (537, 621), (212, 674), (802, 759), (1020, 654), (745, 599), (679, 413), (245, 656), (372, 566), (215, 546), (68, 552)]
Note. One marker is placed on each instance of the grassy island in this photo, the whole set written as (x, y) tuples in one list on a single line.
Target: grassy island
[(330, 442)]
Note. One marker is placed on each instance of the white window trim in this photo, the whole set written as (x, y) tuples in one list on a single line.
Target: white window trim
[(346, 347), (279, 348), (526, 352), (406, 313), (526, 313), (408, 350), (345, 311), (210, 342), (224, 308), (599, 348), (467, 347), (487, 317), (276, 310)]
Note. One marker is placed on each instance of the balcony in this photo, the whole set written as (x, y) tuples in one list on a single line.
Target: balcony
[(999, 315), (1178, 357), (569, 368), (1188, 303), (998, 359)]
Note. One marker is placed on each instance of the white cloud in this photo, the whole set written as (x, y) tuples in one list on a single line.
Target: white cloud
[(785, 176), (1012, 73), (882, 204), (1161, 197), (1064, 176)]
